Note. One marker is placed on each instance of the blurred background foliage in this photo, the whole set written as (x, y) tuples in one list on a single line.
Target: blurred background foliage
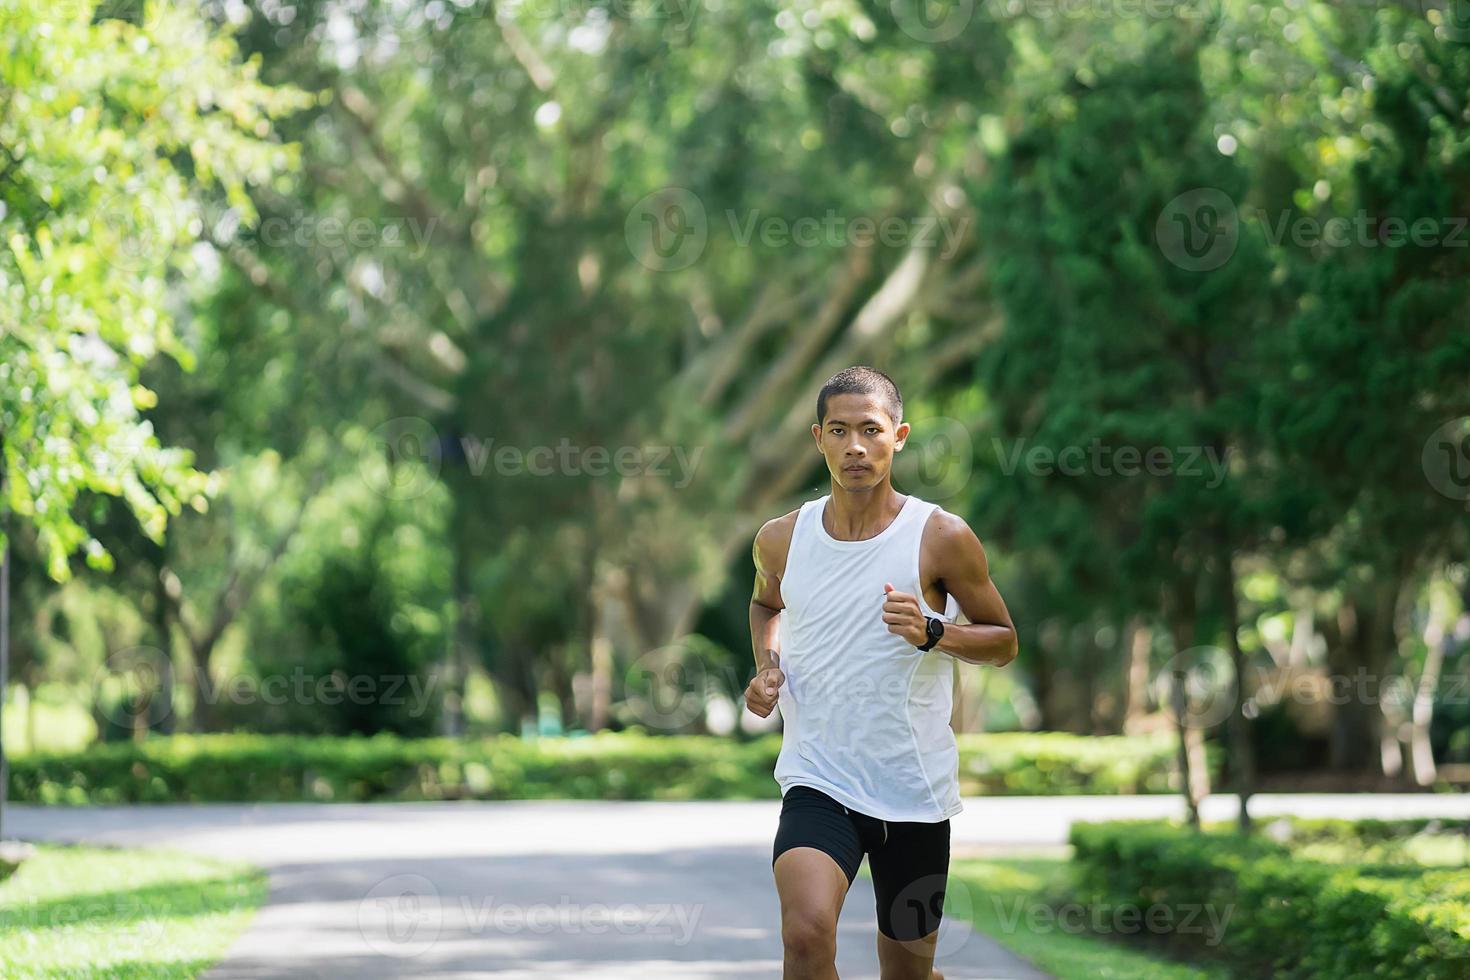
[(281, 278)]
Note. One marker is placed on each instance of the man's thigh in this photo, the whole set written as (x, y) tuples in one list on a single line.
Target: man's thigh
[(812, 819), (816, 854), (910, 873)]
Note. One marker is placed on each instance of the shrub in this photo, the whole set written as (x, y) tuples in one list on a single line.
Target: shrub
[(619, 766), (1058, 763), (1287, 916)]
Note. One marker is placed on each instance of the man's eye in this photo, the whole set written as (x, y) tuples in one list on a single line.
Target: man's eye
[(873, 431)]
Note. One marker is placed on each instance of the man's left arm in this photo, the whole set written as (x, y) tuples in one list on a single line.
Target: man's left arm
[(961, 569)]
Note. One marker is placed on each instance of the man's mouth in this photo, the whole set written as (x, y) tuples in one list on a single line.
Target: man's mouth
[(854, 469)]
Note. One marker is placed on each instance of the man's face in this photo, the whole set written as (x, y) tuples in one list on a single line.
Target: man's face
[(858, 440)]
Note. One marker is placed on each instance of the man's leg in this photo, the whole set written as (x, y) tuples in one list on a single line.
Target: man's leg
[(914, 960), (812, 887), (910, 875), (815, 857)]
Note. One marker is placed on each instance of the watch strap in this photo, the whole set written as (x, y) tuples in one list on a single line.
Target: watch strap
[(934, 627)]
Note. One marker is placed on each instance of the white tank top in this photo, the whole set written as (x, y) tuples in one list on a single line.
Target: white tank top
[(865, 712)]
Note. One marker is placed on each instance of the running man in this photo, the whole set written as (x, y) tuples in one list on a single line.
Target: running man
[(850, 643)]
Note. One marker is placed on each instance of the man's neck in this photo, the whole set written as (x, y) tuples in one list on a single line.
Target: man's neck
[(857, 515)]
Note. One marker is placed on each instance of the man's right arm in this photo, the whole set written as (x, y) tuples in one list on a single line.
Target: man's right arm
[(771, 544)]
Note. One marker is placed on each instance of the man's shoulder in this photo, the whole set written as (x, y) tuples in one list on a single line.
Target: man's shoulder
[(773, 540), (775, 534), (947, 533)]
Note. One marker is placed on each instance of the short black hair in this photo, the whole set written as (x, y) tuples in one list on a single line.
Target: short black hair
[(861, 380)]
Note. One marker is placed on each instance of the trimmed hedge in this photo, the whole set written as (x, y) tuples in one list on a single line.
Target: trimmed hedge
[(1368, 832), (1061, 764), (1287, 916), (613, 766)]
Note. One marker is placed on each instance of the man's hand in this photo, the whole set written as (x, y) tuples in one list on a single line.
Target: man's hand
[(904, 617), (761, 692)]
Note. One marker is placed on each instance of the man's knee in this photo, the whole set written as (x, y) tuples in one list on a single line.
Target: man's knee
[(809, 935)]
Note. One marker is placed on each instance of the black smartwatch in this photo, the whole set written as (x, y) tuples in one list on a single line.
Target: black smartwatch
[(934, 627)]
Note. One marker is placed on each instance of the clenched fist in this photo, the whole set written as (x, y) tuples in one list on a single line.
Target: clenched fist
[(760, 693), (904, 617)]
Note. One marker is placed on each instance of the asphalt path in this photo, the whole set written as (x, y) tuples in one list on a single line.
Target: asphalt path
[(604, 890)]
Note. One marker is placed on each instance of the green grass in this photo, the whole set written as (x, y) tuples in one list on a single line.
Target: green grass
[(1021, 902), (72, 912)]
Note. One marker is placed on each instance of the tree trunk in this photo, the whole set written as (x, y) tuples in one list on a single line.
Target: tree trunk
[(1353, 742), (1242, 756), (204, 718), (167, 720), (1096, 723), (1194, 782), (30, 724), (1356, 667), (1041, 683), (1436, 646), (599, 644), (1135, 700), (461, 645), (558, 675), (1188, 751), (516, 683), (601, 693)]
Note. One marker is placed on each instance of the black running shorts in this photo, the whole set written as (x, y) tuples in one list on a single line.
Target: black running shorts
[(909, 861)]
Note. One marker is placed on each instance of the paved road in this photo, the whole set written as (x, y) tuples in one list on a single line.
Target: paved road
[(611, 891)]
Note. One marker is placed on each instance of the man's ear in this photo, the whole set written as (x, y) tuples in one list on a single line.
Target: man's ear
[(900, 436)]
